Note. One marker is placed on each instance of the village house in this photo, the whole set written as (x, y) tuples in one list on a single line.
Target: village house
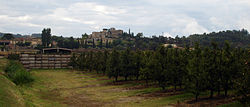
[(32, 40), (12, 46), (106, 35)]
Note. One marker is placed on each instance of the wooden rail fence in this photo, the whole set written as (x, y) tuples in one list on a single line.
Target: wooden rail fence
[(44, 61)]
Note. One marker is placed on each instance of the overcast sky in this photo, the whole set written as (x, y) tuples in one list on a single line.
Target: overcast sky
[(152, 17)]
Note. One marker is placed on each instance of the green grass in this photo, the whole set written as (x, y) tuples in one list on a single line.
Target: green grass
[(160, 101), (233, 104), (52, 87), (3, 63), (62, 86), (9, 94)]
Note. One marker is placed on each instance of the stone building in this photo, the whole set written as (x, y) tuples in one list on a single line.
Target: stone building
[(106, 35)]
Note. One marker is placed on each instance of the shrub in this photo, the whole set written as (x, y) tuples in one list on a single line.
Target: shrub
[(17, 73), (22, 77)]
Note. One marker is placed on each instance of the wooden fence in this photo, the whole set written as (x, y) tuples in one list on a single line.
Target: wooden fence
[(44, 61)]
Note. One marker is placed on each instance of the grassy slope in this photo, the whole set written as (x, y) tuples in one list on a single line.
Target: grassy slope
[(9, 93), (3, 63), (233, 104), (61, 88)]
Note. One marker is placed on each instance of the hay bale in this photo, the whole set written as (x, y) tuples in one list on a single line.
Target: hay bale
[(38, 58), (51, 59), (32, 55), (45, 65), (45, 58), (57, 56), (45, 61), (57, 62), (32, 65), (24, 55), (51, 62), (64, 62), (64, 59), (25, 62), (38, 55), (51, 65), (66, 56), (38, 65), (24, 59), (38, 62), (31, 58), (58, 59), (51, 55), (32, 62), (64, 65), (58, 67), (44, 55)]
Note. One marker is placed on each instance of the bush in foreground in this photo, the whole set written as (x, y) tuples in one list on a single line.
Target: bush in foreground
[(17, 73)]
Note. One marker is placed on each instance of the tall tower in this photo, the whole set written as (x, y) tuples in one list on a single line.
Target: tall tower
[(129, 31)]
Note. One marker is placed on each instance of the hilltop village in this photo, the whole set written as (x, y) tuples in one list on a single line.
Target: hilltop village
[(10, 43), (114, 38)]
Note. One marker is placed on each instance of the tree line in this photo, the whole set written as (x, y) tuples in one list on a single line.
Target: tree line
[(195, 70), (237, 38)]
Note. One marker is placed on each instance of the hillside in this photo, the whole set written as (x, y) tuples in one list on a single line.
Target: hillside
[(240, 38), (236, 38), (9, 94)]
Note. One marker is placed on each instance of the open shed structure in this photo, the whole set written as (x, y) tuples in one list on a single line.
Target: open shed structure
[(56, 51)]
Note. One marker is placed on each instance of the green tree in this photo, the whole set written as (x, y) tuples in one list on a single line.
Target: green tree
[(82, 62), (242, 83), (212, 68), (105, 61), (160, 72), (127, 64), (228, 71), (113, 67), (7, 36), (73, 61), (196, 75), (138, 63), (146, 71), (46, 37)]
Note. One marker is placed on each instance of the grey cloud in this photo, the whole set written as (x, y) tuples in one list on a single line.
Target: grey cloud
[(75, 17)]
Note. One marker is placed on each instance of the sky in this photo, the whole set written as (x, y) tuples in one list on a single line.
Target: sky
[(152, 17)]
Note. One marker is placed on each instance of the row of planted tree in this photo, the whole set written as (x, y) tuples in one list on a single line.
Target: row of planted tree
[(195, 70)]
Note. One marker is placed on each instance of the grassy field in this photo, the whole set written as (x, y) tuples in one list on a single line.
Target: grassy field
[(3, 63), (67, 87), (9, 94), (64, 87)]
